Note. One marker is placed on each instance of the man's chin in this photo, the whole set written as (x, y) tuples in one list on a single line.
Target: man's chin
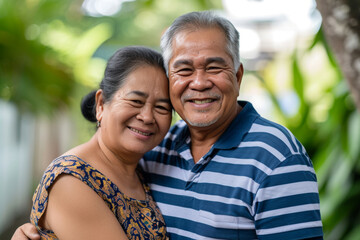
[(201, 123)]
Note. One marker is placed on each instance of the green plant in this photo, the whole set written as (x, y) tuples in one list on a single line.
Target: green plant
[(332, 142), (43, 56)]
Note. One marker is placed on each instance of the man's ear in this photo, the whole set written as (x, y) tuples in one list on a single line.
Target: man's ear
[(239, 75), (99, 100)]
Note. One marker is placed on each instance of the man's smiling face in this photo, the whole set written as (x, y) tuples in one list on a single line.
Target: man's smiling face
[(203, 82)]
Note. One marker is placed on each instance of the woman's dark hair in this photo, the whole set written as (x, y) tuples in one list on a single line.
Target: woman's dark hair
[(119, 66)]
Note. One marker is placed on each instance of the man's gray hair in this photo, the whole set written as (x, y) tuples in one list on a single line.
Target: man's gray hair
[(198, 20)]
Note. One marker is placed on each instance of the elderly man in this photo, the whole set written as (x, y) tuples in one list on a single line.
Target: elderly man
[(224, 172)]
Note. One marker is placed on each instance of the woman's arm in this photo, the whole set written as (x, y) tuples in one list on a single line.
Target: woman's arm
[(75, 211)]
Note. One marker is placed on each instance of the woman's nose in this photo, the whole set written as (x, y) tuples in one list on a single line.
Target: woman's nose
[(146, 114)]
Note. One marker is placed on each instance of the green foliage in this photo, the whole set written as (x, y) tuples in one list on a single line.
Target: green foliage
[(43, 56), (30, 75), (49, 48), (332, 143)]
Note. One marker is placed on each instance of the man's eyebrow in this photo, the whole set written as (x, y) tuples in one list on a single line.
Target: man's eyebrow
[(182, 62), (219, 60)]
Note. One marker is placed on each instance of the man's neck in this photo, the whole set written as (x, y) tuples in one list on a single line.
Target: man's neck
[(203, 138), (200, 147)]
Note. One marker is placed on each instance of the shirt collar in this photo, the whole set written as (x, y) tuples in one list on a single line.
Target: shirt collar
[(238, 128), (233, 135)]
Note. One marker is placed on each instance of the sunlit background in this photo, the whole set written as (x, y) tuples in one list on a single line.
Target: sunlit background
[(54, 52)]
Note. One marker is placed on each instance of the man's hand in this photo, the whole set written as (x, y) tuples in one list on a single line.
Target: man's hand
[(25, 232)]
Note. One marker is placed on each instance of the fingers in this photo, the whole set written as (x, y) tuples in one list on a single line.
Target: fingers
[(25, 232)]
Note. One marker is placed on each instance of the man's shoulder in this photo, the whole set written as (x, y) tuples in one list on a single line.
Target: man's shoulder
[(265, 126), (273, 139), (255, 121)]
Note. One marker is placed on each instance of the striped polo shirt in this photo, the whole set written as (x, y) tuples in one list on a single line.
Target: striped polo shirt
[(256, 182)]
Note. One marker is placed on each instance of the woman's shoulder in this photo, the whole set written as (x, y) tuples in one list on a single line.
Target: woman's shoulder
[(69, 164), (65, 164), (65, 170)]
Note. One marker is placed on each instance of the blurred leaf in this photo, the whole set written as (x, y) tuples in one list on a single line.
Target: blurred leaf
[(354, 234), (42, 56), (298, 80), (354, 136), (320, 38)]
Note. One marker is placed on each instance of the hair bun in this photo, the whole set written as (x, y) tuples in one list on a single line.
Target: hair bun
[(88, 106)]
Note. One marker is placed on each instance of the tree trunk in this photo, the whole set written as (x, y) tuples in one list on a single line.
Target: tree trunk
[(341, 24)]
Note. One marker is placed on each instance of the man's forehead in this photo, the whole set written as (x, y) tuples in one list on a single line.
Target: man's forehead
[(199, 45), (191, 35)]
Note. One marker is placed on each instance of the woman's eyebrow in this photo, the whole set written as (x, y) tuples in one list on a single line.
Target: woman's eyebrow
[(139, 93), (165, 100), (145, 95)]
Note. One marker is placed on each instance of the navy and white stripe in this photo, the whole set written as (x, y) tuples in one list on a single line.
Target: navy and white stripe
[(256, 182)]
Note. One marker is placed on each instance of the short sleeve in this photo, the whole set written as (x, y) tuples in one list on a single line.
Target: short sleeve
[(287, 202)]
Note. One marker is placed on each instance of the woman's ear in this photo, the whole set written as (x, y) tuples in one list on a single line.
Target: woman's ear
[(99, 100)]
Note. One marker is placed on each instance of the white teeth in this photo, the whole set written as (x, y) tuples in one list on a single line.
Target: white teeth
[(137, 131), (202, 101)]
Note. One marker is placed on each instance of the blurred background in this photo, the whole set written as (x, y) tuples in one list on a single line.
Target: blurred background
[(302, 69)]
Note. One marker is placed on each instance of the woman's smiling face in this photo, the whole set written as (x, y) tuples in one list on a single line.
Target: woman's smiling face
[(139, 114)]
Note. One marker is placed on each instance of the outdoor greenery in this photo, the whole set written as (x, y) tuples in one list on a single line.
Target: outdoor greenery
[(328, 125), (51, 54)]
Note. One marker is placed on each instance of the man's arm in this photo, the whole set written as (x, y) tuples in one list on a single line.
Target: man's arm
[(26, 231), (287, 202)]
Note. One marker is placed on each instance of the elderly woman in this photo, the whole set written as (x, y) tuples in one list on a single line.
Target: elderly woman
[(95, 190)]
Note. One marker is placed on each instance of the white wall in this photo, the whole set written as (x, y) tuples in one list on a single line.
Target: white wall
[(27, 146), (16, 164)]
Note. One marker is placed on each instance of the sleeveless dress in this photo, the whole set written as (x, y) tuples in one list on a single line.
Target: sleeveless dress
[(140, 219)]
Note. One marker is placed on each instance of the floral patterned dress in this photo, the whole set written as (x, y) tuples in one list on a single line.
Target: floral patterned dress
[(140, 219)]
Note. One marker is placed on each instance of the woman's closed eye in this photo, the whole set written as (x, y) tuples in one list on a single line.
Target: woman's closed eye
[(163, 109), (137, 102)]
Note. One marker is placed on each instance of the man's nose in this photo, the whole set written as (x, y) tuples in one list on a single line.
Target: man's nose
[(200, 81)]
